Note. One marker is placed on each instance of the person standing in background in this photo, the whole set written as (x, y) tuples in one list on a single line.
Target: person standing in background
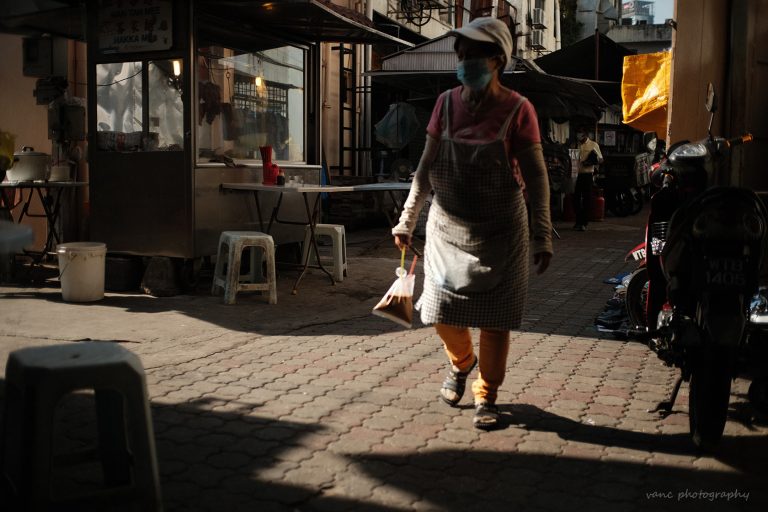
[(589, 157)]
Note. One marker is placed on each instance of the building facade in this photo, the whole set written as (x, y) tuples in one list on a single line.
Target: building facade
[(637, 12), (642, 38), (347, 137), (598, 15)]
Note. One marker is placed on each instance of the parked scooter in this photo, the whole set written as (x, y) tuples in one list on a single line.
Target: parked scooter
[(637, 288), (703, 253)]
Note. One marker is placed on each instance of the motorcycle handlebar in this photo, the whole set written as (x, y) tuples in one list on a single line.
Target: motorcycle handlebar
[(719, 144), (736, 141)]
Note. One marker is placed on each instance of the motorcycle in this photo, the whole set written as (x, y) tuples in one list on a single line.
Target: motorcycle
[(637, 287), (702, 254)]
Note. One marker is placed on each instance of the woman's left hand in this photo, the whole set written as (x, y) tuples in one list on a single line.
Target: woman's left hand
[(402, 241), (541, 260)]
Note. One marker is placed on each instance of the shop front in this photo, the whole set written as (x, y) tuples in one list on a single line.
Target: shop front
[(183, 96)]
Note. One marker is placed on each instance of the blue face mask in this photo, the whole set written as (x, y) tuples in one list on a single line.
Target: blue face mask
[(474, 73)]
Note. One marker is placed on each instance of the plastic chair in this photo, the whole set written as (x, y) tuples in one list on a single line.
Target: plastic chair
[(36, 379), (231, 246), (339, 248)]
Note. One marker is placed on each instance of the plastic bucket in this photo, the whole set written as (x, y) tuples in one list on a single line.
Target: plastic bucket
[(81, 270)]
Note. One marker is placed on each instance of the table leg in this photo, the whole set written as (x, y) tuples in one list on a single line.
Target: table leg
[(51, 216), (25, 209), (6, 197), (275, 211), (312, 216), (258, 211), (36, 256)]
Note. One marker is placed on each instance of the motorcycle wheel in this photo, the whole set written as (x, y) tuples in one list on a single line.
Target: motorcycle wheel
[(637, 290), (621, 203), (709, 393)]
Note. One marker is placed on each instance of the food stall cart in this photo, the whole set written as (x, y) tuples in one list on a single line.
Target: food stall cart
[(181, 96)]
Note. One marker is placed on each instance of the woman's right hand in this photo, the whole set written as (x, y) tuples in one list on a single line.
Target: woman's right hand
[(402, 241)]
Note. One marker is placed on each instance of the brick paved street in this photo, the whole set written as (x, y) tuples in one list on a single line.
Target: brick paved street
[(314, 404)]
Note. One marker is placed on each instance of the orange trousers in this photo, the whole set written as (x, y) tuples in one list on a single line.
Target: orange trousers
[(494, 347)]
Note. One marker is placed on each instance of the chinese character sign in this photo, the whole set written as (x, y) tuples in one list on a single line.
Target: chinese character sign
[(135, 25)]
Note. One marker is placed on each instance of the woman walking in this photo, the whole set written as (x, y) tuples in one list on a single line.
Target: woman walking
[(477, 243)]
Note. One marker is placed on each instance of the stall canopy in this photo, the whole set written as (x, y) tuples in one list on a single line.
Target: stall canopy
[(596, 59), (56, 17), (430, 68), (306, 21), (300, 21)]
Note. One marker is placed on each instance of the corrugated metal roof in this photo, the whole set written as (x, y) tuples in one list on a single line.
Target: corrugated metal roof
[(434, 55), (438, 55)]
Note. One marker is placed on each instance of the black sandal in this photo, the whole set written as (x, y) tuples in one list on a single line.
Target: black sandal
[(486, 416), (456, 381)]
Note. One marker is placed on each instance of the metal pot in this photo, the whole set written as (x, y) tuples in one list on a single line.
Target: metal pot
[(30, 165), (59, 173)]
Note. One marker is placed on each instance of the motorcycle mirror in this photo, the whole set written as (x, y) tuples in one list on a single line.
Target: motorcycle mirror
[(711, 103), (649, 141)]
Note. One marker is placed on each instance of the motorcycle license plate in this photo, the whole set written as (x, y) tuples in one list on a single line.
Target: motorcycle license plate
[(725, 272)]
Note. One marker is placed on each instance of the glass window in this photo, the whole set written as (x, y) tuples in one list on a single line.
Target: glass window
[(166, 108), (118, 92), (120, 105), (250, 100)]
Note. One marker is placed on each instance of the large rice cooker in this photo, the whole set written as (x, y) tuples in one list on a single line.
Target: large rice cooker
[(29, 165)]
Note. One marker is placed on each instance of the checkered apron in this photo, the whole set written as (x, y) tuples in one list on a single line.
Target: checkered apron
[(476, 251)]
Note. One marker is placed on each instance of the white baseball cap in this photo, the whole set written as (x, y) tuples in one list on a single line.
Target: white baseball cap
[(488, 30)]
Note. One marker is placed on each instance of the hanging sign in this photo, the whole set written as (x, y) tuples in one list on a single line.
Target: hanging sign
[(135, 25)]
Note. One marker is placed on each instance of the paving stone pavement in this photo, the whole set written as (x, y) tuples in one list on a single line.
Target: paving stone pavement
[(314, 404)]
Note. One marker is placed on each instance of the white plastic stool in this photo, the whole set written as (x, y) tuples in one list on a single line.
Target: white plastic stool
[(339, 248), (36, 380), (231, 246)]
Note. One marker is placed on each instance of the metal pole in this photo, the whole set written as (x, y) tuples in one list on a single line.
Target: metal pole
[(597, 65), (367, 98)]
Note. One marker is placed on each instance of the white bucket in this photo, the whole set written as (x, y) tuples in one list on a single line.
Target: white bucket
[(81, 270)]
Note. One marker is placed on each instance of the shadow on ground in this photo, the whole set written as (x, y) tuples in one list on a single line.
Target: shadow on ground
[(239, 460)]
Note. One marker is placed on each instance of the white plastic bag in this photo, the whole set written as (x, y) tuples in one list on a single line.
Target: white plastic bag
[(397, 303)]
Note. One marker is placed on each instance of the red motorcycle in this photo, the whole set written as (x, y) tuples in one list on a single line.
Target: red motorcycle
[(637, 299)]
